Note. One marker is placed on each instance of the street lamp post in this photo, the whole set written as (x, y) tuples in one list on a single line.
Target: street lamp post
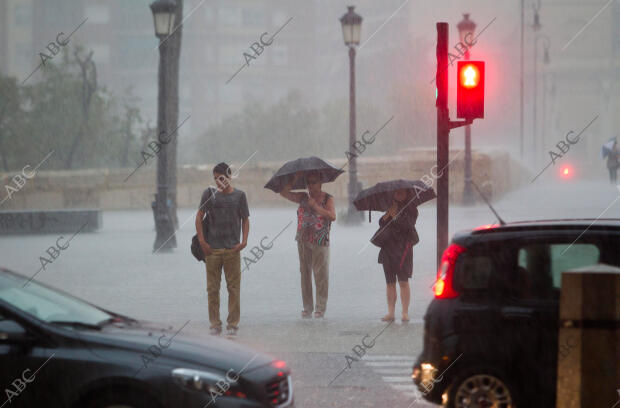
[(351, 31), (466, 28), (521, 81), (546, 61), (163, 18)]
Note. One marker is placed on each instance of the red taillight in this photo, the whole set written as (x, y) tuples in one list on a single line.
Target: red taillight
[(485, 227), (278, 364), (443, 285)]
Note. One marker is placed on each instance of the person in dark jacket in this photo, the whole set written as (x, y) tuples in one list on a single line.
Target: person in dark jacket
[(396, 253), (612, 164)]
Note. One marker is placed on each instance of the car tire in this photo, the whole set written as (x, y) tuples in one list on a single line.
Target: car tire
[(473, 386), (120, 398)]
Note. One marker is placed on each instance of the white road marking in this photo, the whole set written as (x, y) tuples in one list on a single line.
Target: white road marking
[(395, 371)]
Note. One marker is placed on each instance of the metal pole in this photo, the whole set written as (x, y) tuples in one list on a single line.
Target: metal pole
[(443, 142), (352, 214), (544, 108), (165, 238), (468, 197), (521, 80), (535, 127)]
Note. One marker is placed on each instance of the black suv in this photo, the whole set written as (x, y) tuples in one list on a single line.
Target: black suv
[(491, 333)]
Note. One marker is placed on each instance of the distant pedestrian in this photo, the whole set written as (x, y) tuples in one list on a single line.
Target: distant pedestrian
[(315, 214), (227, 215), (612, 164), (396, 237)]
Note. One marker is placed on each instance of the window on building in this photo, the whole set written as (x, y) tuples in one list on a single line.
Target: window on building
[(253, 17), (229, 15), (98, 13), (280, 55), (23, 15)]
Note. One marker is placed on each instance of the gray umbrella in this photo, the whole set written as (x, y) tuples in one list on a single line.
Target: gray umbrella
[(379, 196), (285, 174)]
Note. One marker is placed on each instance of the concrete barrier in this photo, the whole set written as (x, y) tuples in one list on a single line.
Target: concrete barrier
[(589, 373), (49, 221), (108, 189)]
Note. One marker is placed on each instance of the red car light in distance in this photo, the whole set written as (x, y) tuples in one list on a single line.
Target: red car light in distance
[(485, 227), (279, 364), (443, 285), (567, 172)]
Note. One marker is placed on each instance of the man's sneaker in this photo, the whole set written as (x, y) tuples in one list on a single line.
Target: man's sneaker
[(215, 331), (231, 332)]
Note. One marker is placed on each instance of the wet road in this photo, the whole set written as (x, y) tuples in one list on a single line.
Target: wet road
[(115, 268)]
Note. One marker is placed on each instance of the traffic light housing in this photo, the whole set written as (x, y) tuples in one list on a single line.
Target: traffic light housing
[(470, 90)]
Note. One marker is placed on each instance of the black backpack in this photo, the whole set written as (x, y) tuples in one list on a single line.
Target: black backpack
[(195, 246)]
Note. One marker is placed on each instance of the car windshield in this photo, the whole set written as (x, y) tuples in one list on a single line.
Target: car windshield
[(47, 304)]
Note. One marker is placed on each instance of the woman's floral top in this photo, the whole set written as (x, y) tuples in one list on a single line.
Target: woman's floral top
[(312, 227)]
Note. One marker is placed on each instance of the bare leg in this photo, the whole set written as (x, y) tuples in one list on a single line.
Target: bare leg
[(391, 301), (405, 296)]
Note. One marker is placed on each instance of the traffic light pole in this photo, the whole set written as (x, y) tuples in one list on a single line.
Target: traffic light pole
[(444, 125)]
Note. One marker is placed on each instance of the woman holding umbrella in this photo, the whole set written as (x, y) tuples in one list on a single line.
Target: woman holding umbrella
[(397, 234), (315, 214), (396, 254)]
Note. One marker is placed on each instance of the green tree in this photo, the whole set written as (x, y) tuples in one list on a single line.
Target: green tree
[(11, 121), (288, 129), (68, 112)]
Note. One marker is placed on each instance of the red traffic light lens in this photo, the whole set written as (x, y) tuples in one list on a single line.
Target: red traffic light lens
[(469, 76), (470, 89)]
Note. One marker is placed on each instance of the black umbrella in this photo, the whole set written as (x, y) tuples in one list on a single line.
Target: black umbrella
[(380, 196), (285, 174)]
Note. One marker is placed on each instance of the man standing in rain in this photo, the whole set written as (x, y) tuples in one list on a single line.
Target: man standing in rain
[(226, 215), (315, 214)]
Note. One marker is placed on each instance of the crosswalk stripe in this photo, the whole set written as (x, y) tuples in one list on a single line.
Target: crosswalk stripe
[(405, 387), (395, 371), (401, 371), (395, 379)]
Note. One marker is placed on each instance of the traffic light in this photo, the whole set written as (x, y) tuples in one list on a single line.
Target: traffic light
[(470, 90)]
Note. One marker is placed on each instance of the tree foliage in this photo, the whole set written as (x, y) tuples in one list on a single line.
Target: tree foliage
[(288, 129), (66, 111)]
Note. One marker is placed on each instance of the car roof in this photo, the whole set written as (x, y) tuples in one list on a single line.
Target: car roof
[(566, 222), (583, 224)]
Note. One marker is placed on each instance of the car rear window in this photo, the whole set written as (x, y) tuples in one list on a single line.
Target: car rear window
[(541, 266)]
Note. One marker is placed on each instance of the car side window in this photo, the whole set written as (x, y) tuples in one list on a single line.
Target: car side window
[(540, 267), (475, 271)]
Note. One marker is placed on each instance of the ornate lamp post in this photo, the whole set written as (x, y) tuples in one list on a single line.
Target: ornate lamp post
[(163, 18), (466, 30), (351, 31)]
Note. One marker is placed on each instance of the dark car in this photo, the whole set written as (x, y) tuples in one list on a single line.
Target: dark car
[(59, 351), (491, 333)]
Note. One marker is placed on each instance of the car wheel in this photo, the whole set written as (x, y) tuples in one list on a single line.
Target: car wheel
[(482, 389)]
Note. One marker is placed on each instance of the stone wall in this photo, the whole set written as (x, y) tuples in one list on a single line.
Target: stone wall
[(495, 172)]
